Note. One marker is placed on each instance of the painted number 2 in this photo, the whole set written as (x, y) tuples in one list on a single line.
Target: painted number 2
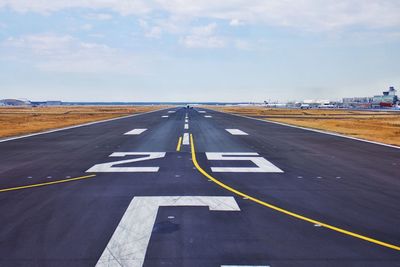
[(262, 164), (111, 166)]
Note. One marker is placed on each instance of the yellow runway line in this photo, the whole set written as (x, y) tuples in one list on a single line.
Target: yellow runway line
[(47, 183), (295, 215), (178, 146)]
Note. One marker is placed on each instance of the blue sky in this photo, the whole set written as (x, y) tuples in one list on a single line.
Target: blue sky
[(242, 50)]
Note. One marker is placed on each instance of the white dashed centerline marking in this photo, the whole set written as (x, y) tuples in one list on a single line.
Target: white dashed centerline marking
[(135, 132), (185, 139), (171, 111), (165, 116), (207, 116), (186, 126), (236, 132), (202, 111)]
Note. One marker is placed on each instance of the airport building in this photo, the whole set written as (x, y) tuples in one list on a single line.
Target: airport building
[(387, 99), (357, 102)]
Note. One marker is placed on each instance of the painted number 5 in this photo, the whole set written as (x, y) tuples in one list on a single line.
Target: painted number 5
[(262, 164)]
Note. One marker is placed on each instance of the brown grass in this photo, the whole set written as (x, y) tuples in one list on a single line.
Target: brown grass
[(375, 126), (24, 120)]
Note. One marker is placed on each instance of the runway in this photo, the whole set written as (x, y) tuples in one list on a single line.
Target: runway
[(135, 192)]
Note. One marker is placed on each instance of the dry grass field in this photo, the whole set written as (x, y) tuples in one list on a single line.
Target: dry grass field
[(370, 125), (24, 120)]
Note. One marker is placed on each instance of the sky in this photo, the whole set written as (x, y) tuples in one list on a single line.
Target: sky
[(204, 50)]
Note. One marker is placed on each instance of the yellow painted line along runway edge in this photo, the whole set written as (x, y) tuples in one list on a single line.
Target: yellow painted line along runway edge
[(47, 183), (276, 208), (178, 146)]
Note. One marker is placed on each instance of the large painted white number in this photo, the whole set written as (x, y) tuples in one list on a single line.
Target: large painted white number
[(128, 244), (263, 165), (109, 166)]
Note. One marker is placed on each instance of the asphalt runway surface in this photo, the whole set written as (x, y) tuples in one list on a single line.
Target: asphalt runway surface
[(130, 192)]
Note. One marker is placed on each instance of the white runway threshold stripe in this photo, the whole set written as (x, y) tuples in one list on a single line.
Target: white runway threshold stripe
[(185, 139), (135, 132), (236, 132), (186, 127), (128, 244)]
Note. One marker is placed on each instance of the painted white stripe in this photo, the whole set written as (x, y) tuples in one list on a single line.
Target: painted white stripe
[(207, 116), (186, 120), (135, 132), (314, 130), (202, 111), (186, 126), (185, 140), (236, 132), (171, 111), (77, 126), (165, 116), (245, 266), (128, 244)]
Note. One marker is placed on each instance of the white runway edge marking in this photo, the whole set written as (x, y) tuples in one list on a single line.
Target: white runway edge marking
[(262, 164), (314, 130), (128, 244), (236, 132), (78, 126), (165, 116), (207, 116), (108, 166), (185, 139), (186, 127), (135, 132)]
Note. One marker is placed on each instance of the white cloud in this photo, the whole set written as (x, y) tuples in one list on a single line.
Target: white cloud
[(64, 53), (198, 41), (87, 27), (203, 37), (236, 22), (309, 15), (99, 16), (150, 31)]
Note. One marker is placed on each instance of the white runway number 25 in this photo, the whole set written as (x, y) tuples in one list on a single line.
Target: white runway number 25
[(261, 164), (111, 166)]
